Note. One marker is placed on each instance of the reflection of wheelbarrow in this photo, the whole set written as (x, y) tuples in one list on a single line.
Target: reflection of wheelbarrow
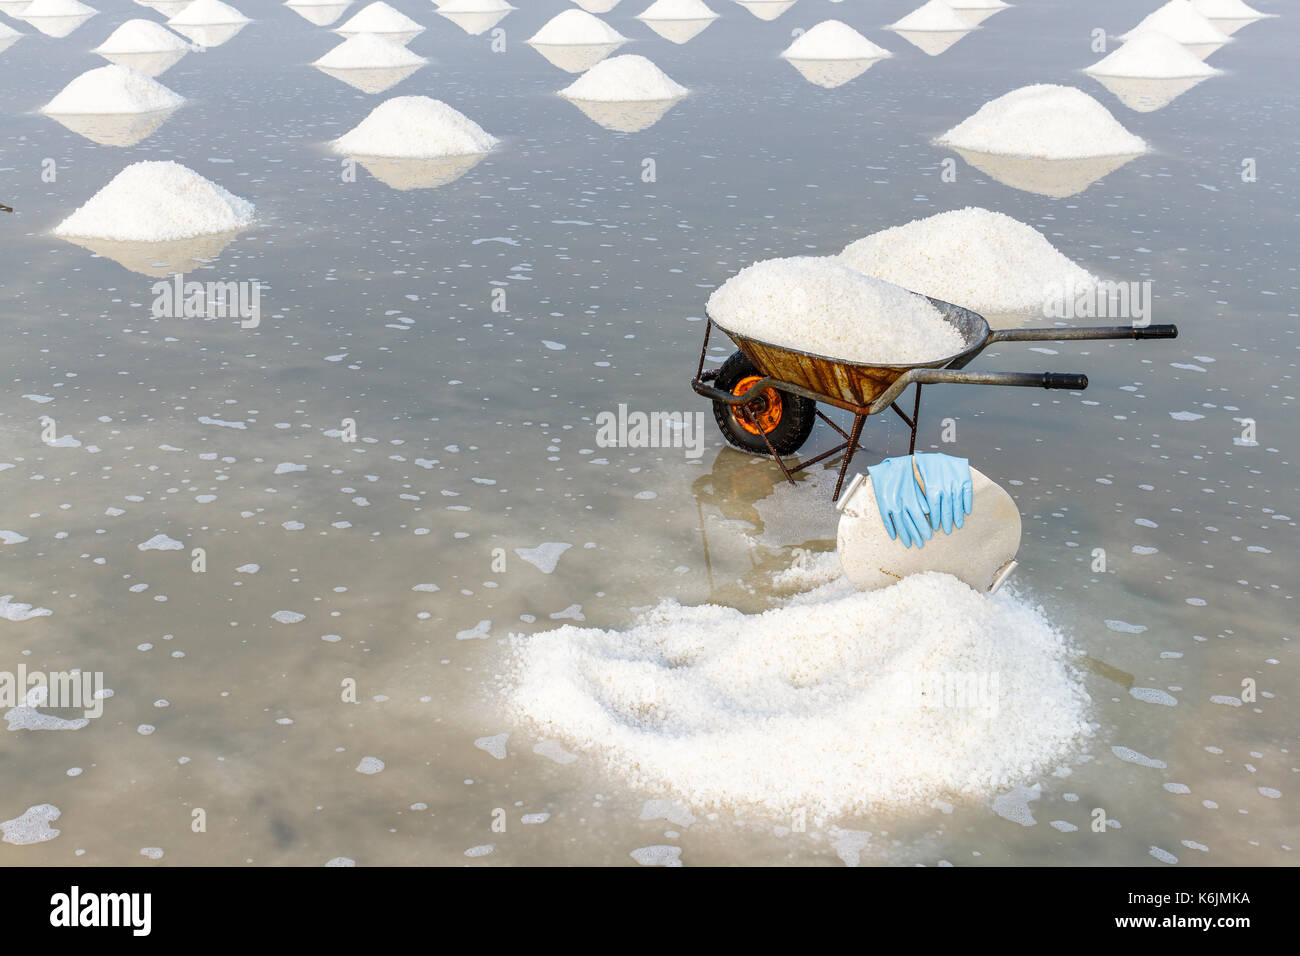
[(765, 396)]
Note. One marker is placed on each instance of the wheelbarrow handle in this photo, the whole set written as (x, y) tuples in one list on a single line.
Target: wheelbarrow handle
[(1085, 333), (1070, 381)]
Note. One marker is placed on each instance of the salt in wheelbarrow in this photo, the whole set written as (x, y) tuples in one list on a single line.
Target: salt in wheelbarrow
[(765, 396)]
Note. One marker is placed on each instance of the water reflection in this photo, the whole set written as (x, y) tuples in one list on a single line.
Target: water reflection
[(1057, 178), (209, 35), (319, 14), (977, 11), (157, 259), (148, 64), (474, 23), (403, 174), (114, 129), (624, 116), (1144, 95), (372, 79), (575, 57), (832, 73), (678, 31), (58, 27), (766, 9), (931, 42)]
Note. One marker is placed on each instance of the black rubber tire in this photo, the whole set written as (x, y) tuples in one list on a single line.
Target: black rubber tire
[(798, 414)]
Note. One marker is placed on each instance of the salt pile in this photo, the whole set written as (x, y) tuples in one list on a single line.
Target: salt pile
[(677, 10), (935, 16), (369, 51), (1179, 20), (597, 6), (972, 257), (821, 306), (380, 18), (624, 79), (207, 13), (1044, 121), (1152, 55), (833, 40), (415, 127), (817, 704), (112, 89), (157, 202), (141, 36), (57, 8), (1228, 10), (576, 28)]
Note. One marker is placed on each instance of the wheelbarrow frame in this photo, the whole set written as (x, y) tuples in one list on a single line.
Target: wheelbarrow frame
[(895, 379)]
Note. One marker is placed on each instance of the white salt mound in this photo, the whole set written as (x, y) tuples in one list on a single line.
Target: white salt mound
[(677, 10), (934, 17), (1152, 55), (112, 89), (141, 36), (576, 28), (415, 127), (977, 4), (821, 306), (1179, 19), (207, 13), (56, 8), (157, 202), (812, 704), (1044, 121), (369, 51), (1228, 10), (833, 40), (624, 79), (981, 260), (380, 18)]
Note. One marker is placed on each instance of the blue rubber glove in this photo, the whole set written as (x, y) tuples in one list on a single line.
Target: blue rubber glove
[(948, 492), (902, 506)]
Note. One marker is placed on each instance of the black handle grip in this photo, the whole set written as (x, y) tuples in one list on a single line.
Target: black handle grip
[(1156, 332), (1071, 381)]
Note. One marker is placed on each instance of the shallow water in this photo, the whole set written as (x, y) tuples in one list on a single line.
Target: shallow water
[(476, 435)]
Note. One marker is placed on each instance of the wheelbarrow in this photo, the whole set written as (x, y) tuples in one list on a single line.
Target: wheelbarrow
[(765, 396)]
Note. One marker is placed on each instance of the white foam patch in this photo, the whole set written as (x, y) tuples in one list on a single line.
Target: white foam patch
[(545, 556), (972, 257), (160, 542), (658, 855), (495, 745), (370, 765), (482, 850), (1128, 755), (1153, 695), (33, 826), (812, 704), (670, 810), (288, 617), (11, 537), (1044, 121), (1014, 805), (18, 612), (552, 750), (480, 631), (821, 306)]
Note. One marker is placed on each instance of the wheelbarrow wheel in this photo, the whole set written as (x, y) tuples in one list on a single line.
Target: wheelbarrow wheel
[(787, 420)]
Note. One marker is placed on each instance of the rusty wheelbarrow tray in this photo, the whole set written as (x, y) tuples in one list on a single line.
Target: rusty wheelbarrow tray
[(866, 389)]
